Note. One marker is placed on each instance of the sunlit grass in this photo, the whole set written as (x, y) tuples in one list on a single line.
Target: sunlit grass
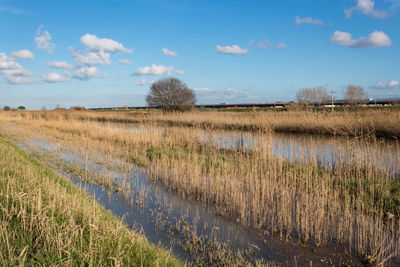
[(353, 205)]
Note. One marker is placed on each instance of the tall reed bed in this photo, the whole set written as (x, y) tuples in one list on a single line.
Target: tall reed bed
[(353, 204), (376, 123)]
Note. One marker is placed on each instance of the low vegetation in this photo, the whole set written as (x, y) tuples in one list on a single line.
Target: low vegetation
[(45, 220)]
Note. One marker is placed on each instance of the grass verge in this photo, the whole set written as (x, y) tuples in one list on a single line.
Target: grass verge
[(46, 220)]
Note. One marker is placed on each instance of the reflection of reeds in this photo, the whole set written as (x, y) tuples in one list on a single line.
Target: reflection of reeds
[(45, 221), (353, 203)]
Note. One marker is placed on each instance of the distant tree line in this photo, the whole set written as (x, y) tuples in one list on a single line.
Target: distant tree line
[(8, 108), (353, 95)]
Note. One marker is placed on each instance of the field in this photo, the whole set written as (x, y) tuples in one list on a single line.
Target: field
[(219, 188)]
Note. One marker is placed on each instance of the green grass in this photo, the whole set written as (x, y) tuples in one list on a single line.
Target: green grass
[(46, 220)]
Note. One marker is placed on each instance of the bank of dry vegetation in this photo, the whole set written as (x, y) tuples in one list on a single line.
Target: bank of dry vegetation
[(352, 205), (365, 122)]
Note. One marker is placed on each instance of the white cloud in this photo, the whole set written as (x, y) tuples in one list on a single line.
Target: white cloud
[(42, 41), (393, 84), (308, 20), (375, 39), (169, 52), (124, 61), (59, 65), (202, 90), (366, 7), (233, 93), (108, 45), (23, 54), (87, 72), (267, 44), (181, 72), (91, 57), (154, 70), (141, 82), (13, 72), (53, 77), (232, 50)]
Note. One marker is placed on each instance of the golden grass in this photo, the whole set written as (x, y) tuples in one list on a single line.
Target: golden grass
[(353, 205), (379, 123)]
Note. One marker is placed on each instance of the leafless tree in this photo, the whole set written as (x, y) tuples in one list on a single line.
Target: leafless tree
[(354, 95), (171, 94), (322, 95), (308, 96)]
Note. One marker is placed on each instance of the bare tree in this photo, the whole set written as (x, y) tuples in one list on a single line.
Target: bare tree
[(171, 94), (6, 108), (308, 96), (354, 95), (322, 95)]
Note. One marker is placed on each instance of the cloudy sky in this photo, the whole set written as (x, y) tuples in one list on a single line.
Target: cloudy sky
[(104, 53)]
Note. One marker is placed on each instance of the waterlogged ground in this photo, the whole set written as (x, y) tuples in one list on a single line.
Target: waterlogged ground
[(192, 229), (322, 151)]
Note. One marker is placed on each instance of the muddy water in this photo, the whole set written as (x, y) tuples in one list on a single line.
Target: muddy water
[(172, 220)]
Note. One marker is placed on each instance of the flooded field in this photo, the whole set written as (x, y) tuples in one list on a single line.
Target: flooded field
[(230, 197)]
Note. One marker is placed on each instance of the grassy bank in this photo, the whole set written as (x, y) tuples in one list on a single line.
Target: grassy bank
[(46, 220)]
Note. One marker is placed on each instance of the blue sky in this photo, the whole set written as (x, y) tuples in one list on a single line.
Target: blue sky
[(106, 53)]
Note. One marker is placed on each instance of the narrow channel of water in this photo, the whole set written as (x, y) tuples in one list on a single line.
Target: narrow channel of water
[(167, 218)]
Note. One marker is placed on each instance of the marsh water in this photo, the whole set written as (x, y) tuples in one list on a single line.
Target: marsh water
[(190, 227), (324, 151)]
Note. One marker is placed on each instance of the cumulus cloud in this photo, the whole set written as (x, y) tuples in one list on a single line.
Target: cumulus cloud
[(267, 44), (393, 84), (42, 41), (309, 20), (366, 7), (53, 77), (124, 61), (98, 51), (375, 39), (87, 72), (23, 54), (232, 50), (154, 70), (59, 65), (13, 72), (141, 82), (105, 44), (181, 72), (91, 57), (169, 52)]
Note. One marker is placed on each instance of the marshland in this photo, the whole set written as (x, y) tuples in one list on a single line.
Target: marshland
[(212, 188)]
